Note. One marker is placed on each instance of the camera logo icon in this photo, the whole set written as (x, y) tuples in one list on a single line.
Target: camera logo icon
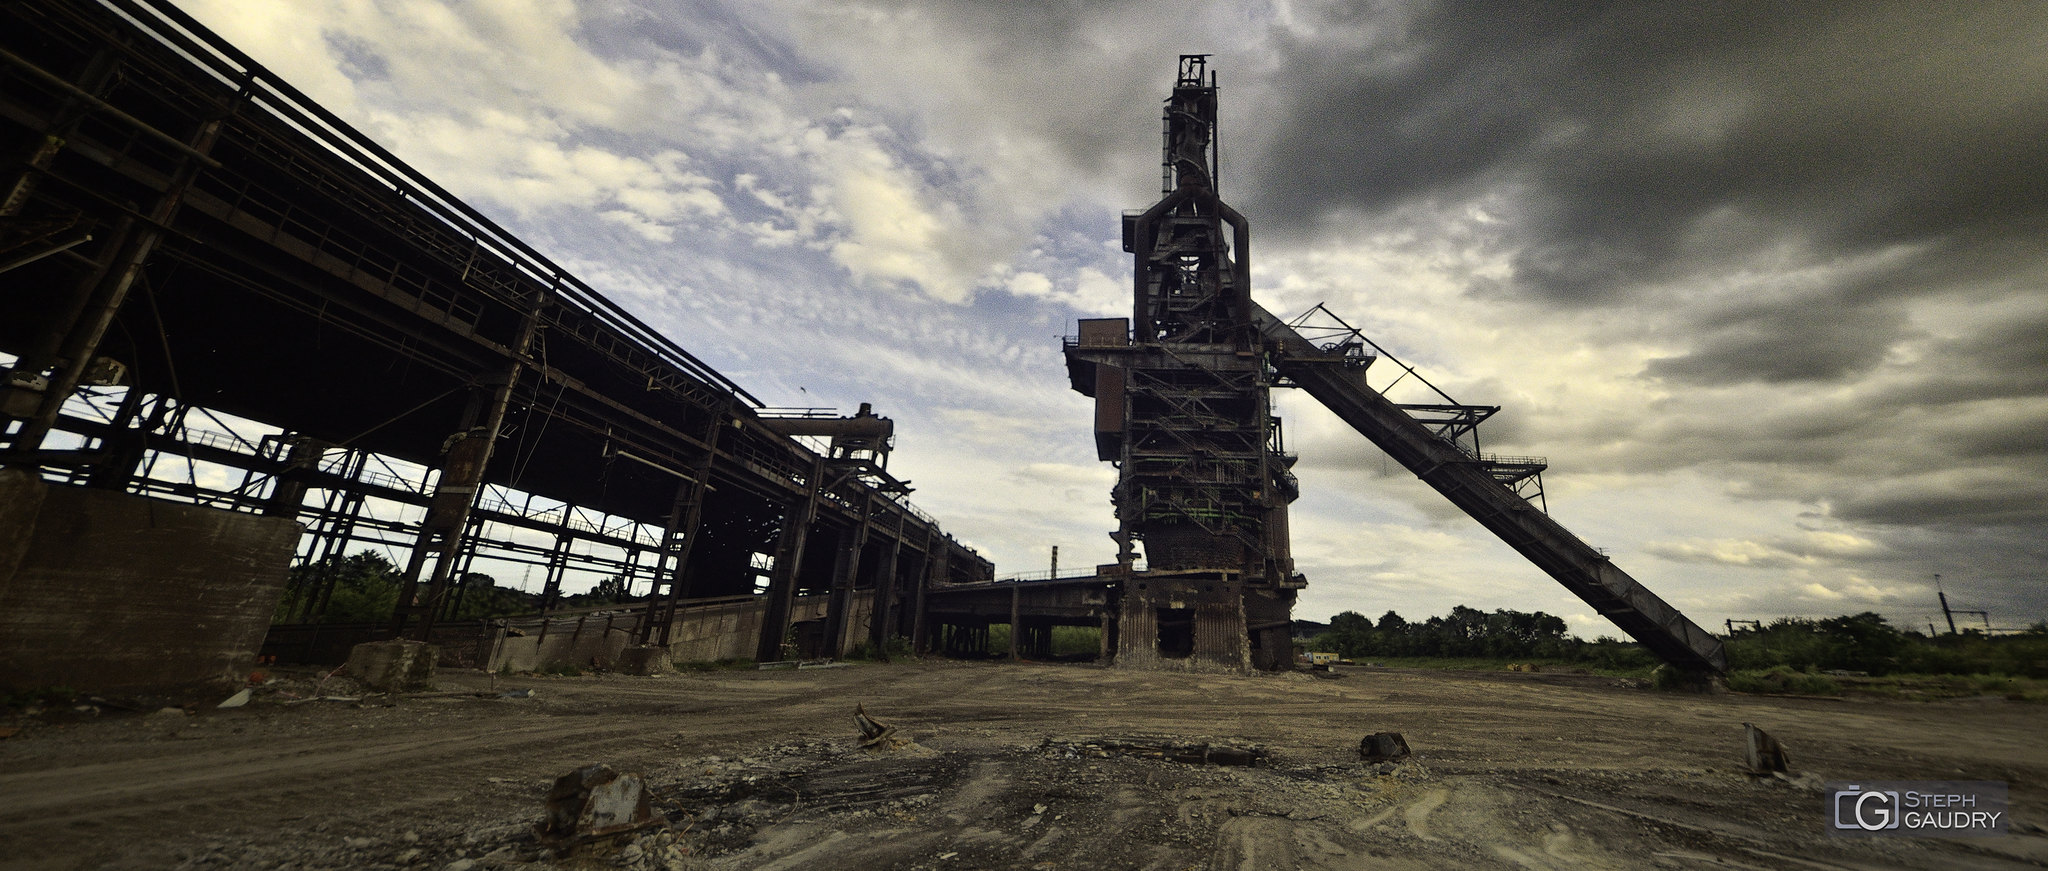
[(1871, 810)]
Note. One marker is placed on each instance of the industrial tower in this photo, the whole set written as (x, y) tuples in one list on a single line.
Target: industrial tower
[(1182, 405), (1183, 408)]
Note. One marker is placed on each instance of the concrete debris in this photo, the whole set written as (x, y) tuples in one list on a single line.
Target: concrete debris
[(394, 666), (237, 700), (595, 800), (1762, 752), (1165, 749), (1382, 747), (645, 660)]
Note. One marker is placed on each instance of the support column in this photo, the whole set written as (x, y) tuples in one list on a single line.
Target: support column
[(295, 478), (846, 569), (558, 565), (124, 446), (882, 626), (455, 494), (104, 292), (1016, 609), (789, 554), (919, 620), (677, 534)]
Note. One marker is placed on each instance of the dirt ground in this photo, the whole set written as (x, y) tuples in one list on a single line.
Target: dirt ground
[(763, 770)]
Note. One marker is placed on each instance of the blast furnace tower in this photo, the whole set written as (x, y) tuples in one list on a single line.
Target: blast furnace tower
[(1183, 408), (1182, 405)]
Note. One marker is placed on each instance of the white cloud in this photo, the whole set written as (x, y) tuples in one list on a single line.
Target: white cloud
[(911, 202)]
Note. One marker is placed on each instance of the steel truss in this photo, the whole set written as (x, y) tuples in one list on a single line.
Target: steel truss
[(305, 326)]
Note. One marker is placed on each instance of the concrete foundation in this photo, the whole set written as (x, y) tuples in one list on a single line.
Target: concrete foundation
[(1183, 621), (104, 591)]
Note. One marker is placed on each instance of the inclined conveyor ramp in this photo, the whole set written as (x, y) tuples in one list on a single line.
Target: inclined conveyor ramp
[(1336, 377)]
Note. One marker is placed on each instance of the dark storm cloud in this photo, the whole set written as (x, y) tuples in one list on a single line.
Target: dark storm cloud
[(1807, 340), (1627, 131)]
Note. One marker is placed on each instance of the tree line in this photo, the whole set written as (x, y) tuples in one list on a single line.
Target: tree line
[(365, 587), (1863, 642), (1470, 632), (1867, 643)]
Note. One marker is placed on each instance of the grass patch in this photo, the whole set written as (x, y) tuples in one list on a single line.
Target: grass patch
[(1495, 663), (716, 665), (1067, 641), (41, 697), (897, 647), (1932, 687), (1782, 680)]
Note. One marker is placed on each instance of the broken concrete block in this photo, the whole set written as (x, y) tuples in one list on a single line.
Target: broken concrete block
[(645, 659), (237, 700), (1762, 752), (595, 800), (398, 665), (1382, 747)]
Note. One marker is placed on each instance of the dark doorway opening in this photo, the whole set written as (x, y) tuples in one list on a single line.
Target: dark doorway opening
[(1176, 633)]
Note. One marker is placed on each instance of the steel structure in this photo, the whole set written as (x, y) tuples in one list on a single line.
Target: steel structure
[(213, 290), (1182, 406)]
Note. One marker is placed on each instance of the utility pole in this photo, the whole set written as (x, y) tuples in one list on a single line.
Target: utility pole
[(1939, 593), (1055, 564)]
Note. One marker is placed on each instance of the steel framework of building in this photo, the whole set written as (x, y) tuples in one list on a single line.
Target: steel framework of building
[(1182, 407), (215, 291)]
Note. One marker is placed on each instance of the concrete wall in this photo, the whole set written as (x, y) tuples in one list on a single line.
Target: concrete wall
[(701, 633), (104, 591), (1213, 607), (564, 644), (713, 632), (860, 614)]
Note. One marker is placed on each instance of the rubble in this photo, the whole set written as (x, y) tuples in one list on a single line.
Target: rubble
[(1382, 747), (595, 800), (398, 665), (645, 660), (1192, 752), (1764, 755)]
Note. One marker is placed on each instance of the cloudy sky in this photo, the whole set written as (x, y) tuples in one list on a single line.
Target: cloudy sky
[(1764, 282)]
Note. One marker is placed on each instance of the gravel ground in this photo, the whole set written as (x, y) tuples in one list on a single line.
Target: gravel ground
[(1004, 766)]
